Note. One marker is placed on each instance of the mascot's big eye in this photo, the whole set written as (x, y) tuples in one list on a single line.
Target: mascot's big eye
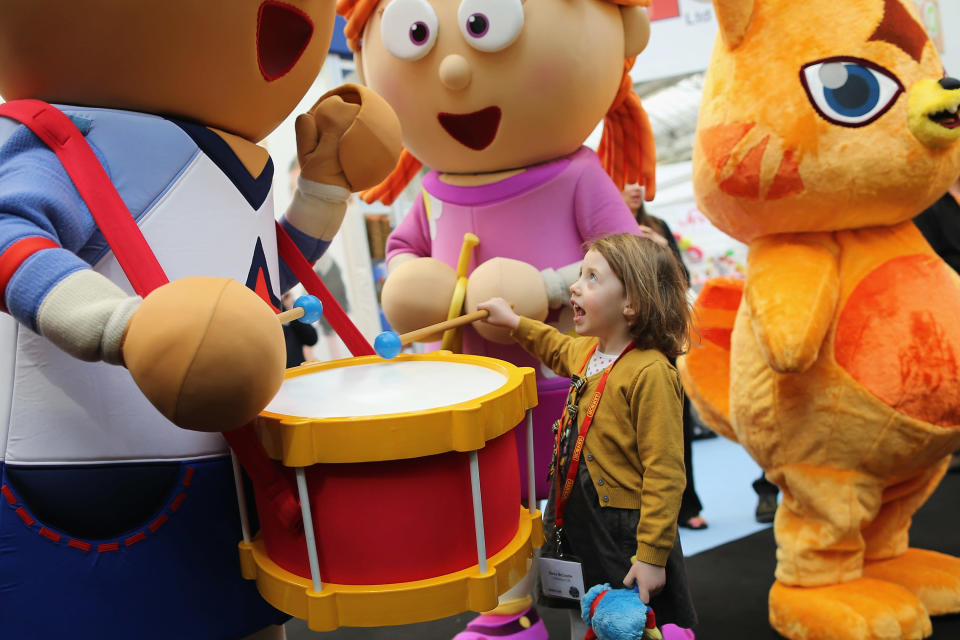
[(409, 28), (490, 25), (850, 92)]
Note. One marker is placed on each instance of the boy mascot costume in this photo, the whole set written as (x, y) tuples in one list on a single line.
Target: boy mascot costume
[(115, 522), (826, 126)]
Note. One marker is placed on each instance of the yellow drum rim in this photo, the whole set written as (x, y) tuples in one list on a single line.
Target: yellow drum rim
[(466, 426), (393, 604)]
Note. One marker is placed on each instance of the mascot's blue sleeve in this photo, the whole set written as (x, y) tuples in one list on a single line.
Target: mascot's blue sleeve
[(37, 200), (311, 248)]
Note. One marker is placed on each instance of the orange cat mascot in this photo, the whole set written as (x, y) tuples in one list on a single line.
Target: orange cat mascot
[(826, 125)]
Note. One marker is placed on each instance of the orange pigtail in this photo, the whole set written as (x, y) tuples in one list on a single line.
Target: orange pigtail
[(356, 13), (627, 149), (388, 190)]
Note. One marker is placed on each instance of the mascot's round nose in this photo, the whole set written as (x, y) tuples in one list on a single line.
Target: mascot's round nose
[(949, 83)]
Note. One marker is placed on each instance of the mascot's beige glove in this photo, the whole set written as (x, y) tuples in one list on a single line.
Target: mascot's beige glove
[(207, 352), (417, 293), (516, 282), (349, 141)]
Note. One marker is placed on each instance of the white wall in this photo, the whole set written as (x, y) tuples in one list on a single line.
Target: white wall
[(950, 23), (678, 45)]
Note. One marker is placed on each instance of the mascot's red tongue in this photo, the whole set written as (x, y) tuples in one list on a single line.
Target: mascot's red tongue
[(283, 32), (475, 130)]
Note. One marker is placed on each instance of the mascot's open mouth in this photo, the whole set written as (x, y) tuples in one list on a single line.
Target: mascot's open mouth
[(283, 32), (475, 130), (946, 118)]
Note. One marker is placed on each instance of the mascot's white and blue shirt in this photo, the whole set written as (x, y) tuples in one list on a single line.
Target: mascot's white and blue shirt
[(201, 213), (110, 515)]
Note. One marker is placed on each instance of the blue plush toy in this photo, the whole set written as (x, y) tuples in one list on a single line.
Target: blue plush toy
[(617, 614)]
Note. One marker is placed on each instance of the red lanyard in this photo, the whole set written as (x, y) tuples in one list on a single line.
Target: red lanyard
[(564, 495)]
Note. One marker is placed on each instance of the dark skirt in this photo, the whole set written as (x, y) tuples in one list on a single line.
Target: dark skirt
[(604, 539)]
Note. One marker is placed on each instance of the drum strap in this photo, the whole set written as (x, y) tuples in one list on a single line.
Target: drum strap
[(142, 268)]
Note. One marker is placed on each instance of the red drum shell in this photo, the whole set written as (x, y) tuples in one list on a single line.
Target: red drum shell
[(400, 520)]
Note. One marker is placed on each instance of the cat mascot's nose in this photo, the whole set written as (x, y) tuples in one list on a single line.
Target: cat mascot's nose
[(949, 83)]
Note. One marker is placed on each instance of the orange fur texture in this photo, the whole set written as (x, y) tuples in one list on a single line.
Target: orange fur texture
[(818, 142)]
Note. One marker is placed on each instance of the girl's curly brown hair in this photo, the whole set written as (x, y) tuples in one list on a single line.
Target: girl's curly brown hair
[(655, 288)]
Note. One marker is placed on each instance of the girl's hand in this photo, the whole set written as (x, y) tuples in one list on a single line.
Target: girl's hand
[(648, 232), (650, 579), (501, 313)]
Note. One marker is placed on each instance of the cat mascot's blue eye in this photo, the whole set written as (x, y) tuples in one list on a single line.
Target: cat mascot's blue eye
[(849, 92)]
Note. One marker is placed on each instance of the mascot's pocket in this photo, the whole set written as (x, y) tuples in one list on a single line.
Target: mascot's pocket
[(94, 502)]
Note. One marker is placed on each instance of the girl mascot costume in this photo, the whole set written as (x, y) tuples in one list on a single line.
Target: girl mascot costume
[(497, 97), (115, 522)]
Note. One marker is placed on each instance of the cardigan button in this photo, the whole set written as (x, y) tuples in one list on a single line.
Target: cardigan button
[(605, 498), (589, 457), (600, 481)]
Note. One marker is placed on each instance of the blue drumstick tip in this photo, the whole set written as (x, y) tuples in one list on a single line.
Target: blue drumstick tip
[(312, 308), (387, 345)]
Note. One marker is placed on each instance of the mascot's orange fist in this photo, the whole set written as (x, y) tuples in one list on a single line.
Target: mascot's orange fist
[(351, 138), (207, 352)]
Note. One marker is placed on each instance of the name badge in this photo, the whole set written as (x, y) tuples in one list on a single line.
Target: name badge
[(561, 578)]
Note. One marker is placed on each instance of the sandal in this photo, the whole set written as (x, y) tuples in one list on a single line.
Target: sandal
[(696, 523)]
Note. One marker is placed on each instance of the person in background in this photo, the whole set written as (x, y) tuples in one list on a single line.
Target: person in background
[(940, 225), (616, 507), (331, 275), (690, 506), (297, 335)]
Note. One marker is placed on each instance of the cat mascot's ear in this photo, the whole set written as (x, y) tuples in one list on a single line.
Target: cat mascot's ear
[(734, 19)]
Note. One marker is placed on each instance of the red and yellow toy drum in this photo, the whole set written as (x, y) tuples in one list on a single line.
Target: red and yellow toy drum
[(407, 476)]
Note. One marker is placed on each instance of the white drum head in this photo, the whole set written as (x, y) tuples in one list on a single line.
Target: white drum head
[(383, 388)]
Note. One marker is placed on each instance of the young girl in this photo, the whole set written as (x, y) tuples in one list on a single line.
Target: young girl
[(616, 496)]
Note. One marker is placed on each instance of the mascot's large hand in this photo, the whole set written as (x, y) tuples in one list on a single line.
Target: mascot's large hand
[(207, 352), (515, 281), (417, 293), (350, 139)]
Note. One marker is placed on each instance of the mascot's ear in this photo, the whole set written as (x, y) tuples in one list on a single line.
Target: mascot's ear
[(734, 19), (636, 30)]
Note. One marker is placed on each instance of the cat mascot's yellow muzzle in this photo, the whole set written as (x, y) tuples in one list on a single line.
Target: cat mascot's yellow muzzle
[(932, 112)]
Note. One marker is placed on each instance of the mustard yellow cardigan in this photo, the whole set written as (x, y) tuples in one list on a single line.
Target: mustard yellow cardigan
[(634, 449)]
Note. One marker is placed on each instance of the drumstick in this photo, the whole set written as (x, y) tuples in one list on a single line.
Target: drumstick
[(453, 323), (388, 344), (307, 308)]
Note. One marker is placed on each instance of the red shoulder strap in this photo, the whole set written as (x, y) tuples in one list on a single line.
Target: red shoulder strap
[(110, 213), (332, 310)]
